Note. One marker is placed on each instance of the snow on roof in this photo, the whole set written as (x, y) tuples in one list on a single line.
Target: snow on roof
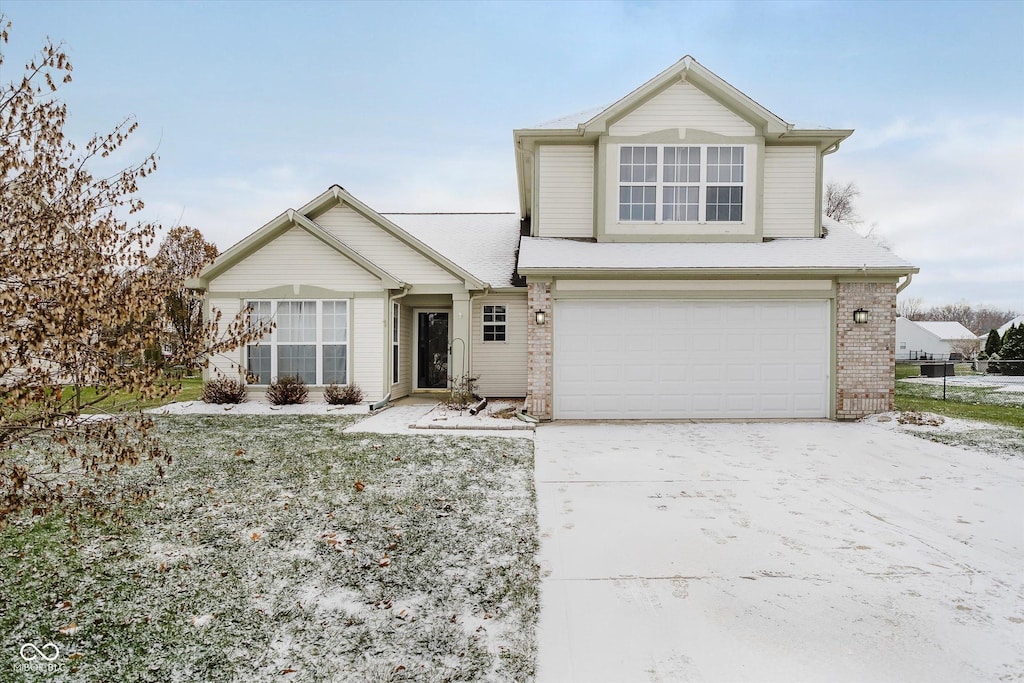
[(482, 243), (1019, 320), (570, 121), (842, 249), (946, 330)]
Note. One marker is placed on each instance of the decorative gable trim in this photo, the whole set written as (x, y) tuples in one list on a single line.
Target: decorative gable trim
[(690, 70), (336, 195), (274, 229)]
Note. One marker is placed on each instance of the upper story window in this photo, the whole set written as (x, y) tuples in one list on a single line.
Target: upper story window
[(693, 183), (310, 340), (494, 323)]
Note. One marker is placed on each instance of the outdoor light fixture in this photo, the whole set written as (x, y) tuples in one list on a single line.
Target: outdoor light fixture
[(541, 317), (860, 316)]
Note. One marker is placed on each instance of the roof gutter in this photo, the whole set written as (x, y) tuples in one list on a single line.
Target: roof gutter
[(905, 283), (696, 273)]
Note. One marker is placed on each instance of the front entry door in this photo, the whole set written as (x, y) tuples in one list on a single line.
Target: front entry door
[(432, 350)]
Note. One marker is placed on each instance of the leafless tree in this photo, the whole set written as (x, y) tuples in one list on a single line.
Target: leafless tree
[(182, 254), (979, 319), (910, 307), (839, 202)]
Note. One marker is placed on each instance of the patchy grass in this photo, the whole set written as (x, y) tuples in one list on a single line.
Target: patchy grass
[(191, 390), (986, 404), (282, 549), (1001, 441)]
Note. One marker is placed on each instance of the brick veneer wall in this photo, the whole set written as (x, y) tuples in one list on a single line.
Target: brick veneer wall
[(865, 353), (539, 346)]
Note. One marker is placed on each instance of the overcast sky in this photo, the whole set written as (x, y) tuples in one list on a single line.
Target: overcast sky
[(258, 107)]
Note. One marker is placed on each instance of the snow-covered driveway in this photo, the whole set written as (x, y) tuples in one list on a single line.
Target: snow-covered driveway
[(776, 551)]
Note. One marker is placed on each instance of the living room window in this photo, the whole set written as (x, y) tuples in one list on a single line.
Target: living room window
[(310, 340), (494, 323), (681, 183)]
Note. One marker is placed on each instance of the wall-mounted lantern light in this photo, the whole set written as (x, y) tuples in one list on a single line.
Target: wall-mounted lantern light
[(860, 316), (541, 317)]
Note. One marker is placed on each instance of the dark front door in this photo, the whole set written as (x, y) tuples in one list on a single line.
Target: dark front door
[(432, 350)]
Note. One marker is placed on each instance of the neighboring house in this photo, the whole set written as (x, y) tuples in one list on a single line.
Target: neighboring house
[(1019, 320), (674, 263), (931, 340)]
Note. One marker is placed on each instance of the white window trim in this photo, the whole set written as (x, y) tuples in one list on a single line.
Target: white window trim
[(270, 340), (702, 185), (484, 324), (396, 348)]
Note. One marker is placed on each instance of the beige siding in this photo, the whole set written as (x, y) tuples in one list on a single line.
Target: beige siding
[(296, 257), (566, 191), (367, 339), (385, 250), (681, 106), (790, 186), (405, 351), (227, 364), (501, 366)]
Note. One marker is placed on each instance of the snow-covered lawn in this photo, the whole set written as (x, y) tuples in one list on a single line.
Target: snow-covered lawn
[(776, 551), (281, 548), (972, 434), (967, 389)]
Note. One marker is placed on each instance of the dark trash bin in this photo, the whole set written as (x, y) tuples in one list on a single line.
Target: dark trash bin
[(937, 370)]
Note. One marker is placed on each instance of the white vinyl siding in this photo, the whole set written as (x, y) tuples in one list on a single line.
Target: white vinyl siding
[(566, 191), (227, 363), (681, 105), (295, 257), (501, 366), (790, 184), (382, 248), (674, 359), (367, 347)]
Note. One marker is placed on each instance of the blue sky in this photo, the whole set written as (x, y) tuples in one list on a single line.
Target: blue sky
[(258, 107)]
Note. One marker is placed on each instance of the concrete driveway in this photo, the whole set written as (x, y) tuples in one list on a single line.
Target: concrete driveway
[(805, 551)]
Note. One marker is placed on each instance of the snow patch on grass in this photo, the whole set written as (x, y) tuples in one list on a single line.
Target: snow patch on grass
[(971, 434), (259, 555)]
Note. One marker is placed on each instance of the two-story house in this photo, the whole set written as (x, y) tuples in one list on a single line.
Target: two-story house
[(670, 260)]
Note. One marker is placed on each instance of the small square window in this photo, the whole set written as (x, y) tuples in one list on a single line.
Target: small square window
[(494, 323)]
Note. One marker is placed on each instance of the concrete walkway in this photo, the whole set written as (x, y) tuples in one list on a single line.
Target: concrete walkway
[(402, 418), (776, 552)]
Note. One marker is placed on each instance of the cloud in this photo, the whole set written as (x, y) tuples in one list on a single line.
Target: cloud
[(946, 194)]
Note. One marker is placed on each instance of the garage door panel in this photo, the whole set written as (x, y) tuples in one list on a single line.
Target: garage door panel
[(678, 359)]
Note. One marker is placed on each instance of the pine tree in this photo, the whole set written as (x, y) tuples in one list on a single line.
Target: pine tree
[(993, 343), (1013, 350)]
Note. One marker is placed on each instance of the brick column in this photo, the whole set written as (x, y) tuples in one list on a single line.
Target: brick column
[(865, 352), (539, 347)]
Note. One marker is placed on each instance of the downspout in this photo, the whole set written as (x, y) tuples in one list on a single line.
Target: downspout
[(905, 284), (468, 345), (389, 322)]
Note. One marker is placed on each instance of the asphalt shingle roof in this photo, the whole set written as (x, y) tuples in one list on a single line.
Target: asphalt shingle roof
[(842, 249), (482, 243)]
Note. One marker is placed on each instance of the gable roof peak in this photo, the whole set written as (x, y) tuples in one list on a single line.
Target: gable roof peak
[(690, 70)]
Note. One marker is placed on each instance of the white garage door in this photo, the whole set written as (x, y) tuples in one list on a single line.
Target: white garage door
[(691, 359)]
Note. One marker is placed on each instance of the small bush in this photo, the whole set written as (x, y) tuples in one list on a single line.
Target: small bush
[(288, 390), (224, 390), (463, 392), (993, 363), (345, 395)]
